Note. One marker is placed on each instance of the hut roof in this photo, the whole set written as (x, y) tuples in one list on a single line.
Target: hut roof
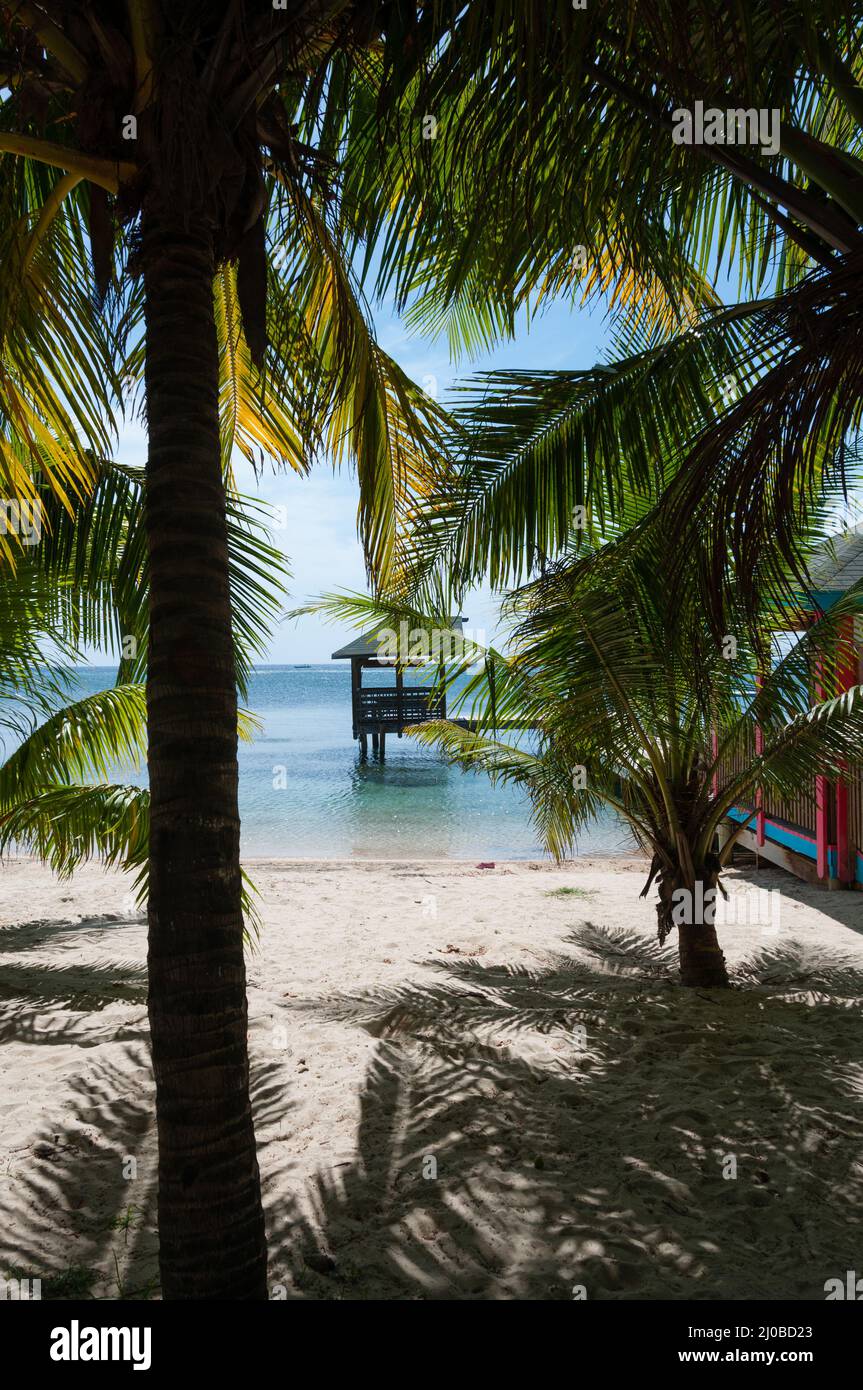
[(367, 644), (837, 563)]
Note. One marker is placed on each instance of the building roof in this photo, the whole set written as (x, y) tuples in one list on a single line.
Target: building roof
[(837, 563), (368, 644)]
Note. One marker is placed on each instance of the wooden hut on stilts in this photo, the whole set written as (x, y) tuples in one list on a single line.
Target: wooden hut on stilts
[(381, 709)]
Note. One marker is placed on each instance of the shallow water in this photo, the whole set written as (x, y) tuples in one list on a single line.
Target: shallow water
[(305, 793)]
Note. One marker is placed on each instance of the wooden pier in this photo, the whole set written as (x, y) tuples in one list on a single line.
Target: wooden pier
[(379, 710)]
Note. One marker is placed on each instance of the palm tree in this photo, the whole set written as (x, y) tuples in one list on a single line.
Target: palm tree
[(731, 414), (186, 136), (625, 688)]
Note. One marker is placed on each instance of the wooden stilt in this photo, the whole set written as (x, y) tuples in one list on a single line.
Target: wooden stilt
[(847, 678), (374, 742), (760, 819), (844, 868), (364, 747), (820, 792), (383, 744)]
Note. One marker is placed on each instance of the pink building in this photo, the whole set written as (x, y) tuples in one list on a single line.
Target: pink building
[(818, 834)]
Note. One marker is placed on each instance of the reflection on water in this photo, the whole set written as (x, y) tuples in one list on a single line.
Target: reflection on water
[(304, 792)]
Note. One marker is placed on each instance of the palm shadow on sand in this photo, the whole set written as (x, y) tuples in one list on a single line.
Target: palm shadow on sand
[(523, 1131), (581, 1116), (79, 1198), (79, 1221)]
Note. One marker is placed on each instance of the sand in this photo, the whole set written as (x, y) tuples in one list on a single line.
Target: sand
[(467, 1084)]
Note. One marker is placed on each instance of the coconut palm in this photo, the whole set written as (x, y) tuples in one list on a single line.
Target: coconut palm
[(186, 136), (176, 130), (86, 583), (725, 434), (728, 412), (579, 143), (625, 688)]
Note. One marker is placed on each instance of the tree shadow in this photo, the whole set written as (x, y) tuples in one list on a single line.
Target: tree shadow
[(25, 936), (87, 987), (79, 1197), (812, 971), (842, 905), (594, 1125)]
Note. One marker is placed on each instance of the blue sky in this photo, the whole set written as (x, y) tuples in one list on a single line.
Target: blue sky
[(320, 538)]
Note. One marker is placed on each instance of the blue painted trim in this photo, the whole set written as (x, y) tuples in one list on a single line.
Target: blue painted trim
[(824, 598), (791, 839), (800, 843)]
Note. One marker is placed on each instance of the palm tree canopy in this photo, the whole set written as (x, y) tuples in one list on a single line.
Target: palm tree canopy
[(734, 415), (309, 134), (96, 124)]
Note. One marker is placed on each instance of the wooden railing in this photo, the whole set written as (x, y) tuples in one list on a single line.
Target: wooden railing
[(395, 709), (799, 811)]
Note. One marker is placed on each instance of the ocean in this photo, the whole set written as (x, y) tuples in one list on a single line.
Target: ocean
[(305, 794)]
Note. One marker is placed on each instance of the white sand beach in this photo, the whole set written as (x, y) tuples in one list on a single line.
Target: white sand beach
[(469, 1083)]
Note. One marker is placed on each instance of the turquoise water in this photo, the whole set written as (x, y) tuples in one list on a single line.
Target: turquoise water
[(333, 806)]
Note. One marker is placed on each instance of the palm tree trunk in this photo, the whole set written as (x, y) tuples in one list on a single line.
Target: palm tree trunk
[(211, 1224), (702, 963)]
